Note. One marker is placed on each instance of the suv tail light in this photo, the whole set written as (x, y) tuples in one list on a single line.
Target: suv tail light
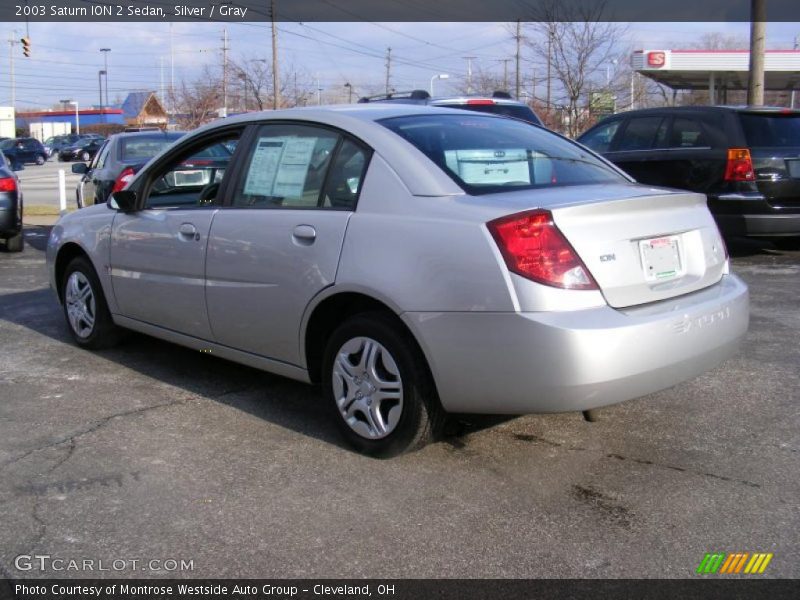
[(8, 184), (740, 165), (123, 179), (533, 247)]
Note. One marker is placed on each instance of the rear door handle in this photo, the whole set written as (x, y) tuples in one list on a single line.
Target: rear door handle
[(304, 234), (188, 231)]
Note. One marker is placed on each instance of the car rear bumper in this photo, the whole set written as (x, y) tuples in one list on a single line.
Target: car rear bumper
[(517, 363), (750, 214), (9, 222)]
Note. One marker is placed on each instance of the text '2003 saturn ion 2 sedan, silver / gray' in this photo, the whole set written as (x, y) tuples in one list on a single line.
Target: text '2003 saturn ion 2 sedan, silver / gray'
[(413, 261)]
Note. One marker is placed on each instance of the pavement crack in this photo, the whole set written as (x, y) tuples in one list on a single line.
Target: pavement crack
[(684, 470), (71, 439)]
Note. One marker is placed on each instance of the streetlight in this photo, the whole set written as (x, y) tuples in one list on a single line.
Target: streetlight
[(349, 92), (100, 74), (77, 117), (105, 52), (440, 76), (608, 73)]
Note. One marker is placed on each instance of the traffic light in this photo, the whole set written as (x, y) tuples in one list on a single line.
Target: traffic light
[(26, 46)]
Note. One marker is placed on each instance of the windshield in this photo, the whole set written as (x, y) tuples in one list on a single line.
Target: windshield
[(488, 155), (142, 148), (6, 144), (771, 130)]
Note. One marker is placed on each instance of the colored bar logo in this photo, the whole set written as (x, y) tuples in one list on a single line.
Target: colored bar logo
[(736, 562)]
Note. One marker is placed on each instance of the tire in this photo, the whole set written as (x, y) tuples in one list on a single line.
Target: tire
[(15, 243), (86, 157), (409, 416), (88, 319), (40, 159), (786, 243)]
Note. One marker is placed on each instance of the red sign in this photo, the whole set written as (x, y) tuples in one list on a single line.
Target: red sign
[(656, 59)]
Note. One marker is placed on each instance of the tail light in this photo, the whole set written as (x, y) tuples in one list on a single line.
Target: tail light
[(480, 102), (8, 184), (123, 179), (533, 247), (740, 165)]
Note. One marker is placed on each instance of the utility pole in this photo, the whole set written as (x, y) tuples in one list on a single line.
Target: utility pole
[(388, 67), (105, 52), (224, 71), (11, 43), (276, 91), (758, 34), (796, 46), (161, 73), (469, 60), (505, 72), (171, 71), (549, 61), (518, 37)]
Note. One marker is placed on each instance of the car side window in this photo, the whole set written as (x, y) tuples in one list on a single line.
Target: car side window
[(287, 167), (688, 133), (100, 157), (193, 179), (640, 134), (599, 139), (346, 176)]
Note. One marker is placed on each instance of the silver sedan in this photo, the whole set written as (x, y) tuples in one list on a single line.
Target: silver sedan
[(414, 261)]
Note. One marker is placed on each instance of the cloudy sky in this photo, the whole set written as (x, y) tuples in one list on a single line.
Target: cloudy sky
[(66, 57)]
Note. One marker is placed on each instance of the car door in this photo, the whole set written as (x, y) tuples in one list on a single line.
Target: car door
[(639, 146), (158, 253), (87, 188), (694, 161), (278, 242)]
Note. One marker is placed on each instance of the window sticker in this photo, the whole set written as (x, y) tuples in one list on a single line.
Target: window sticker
[(489, 167), (279, 166)]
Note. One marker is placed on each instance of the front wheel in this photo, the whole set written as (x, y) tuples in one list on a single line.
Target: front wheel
[(379, 387), (85, 307), (40, 159)]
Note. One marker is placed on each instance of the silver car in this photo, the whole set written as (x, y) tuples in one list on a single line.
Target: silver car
[(413, 261)]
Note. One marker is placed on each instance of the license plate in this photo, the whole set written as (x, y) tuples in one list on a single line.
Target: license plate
[(661, 258), (199, 177), (793, 166)]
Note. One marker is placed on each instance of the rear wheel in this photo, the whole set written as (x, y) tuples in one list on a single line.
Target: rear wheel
[(85, 308), (379, 387), (40, 159), (786, 243)]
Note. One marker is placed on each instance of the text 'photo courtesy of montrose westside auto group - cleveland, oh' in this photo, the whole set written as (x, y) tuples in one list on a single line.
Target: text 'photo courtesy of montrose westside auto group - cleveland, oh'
[(404, 300)]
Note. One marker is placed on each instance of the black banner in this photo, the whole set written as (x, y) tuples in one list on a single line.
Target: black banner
[(391, 10), (733, 588)]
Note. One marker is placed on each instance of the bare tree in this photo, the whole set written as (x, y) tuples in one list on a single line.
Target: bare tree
[(198, 102), (256, 77), (482, 83), (579, 49), (716, 40)]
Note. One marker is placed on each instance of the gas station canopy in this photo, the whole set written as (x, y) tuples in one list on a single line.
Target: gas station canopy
[(715, 70)]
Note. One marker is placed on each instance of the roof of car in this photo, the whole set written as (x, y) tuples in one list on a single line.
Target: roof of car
[(705, 108)]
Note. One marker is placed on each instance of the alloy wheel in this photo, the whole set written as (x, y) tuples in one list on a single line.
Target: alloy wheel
[(80, 302)]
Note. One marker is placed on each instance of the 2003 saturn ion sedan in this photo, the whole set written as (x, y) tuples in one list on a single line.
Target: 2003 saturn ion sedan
[(413, 261)]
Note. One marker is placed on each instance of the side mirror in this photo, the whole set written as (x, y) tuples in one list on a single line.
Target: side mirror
[(80, 168), (123, 200)]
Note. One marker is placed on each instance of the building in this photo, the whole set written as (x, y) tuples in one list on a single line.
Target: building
[(85, 117), (717, 70), (143, 109)]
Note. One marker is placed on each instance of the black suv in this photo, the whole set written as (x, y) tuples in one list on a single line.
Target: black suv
[(499, 103), (745, 159), (24, 150)]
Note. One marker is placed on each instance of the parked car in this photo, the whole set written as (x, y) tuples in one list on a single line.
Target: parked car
[(413, 261), (499, 103), (117, 162), (746, 160), (10, 206), (84, 149), (53, 145), (23, 150)]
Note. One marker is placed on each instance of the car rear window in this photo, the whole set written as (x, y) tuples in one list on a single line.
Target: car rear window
[(772, 131), (506, 110), (484, 154), (144, 147)]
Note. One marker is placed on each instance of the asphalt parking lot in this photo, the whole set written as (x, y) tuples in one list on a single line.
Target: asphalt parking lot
[(153, 452)]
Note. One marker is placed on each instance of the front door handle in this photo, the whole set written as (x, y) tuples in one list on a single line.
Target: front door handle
[(304, 234), (187, 231)]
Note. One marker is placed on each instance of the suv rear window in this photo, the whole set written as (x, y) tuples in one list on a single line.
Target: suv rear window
[(772, 131), (142, 148), (507, 110), (486, 154)]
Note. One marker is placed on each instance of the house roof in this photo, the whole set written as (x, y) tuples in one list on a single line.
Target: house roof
[(134, 104)]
